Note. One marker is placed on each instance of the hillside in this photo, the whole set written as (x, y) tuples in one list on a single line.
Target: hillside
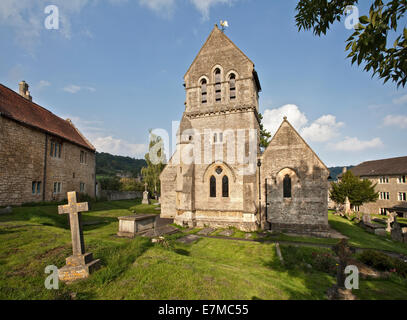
[(335, 171), (110, 165)]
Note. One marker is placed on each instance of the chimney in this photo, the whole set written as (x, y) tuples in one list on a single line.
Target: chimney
[(24, 92)]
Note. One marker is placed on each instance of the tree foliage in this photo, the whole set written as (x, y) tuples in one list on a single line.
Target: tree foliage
[(358, 191), (369, 44), (265, 136), (151, 173)]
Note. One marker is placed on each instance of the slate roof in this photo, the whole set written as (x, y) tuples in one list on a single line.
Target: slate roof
[(24, 111), (393, 166)]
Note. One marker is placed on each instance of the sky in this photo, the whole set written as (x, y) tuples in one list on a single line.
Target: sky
[(116, 67)]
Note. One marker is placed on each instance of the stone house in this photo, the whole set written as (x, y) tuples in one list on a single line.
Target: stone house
[(218, 176), (390, 177), (42, 156)]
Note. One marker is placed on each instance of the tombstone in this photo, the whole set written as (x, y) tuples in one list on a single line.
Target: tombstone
[(367, 219), (80, 265), (348, 209), (132, 226), (396, 232), (390, 220), (7, 210), (146, 199)]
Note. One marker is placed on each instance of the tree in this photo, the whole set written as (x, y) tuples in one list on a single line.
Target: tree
[(369, 42), (265, 136), (358, 191), (151, 173)]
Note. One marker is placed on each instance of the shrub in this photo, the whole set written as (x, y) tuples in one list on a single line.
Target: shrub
[(383, 262)]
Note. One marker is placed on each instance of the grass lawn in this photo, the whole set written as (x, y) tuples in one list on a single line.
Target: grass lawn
[(32, 238)]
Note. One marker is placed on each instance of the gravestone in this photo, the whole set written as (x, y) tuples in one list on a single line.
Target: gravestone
[(396, 232), (390, 220), (146, 199), (348, 209), (81, 264), (131, 226), (7, 210), (367, 219)]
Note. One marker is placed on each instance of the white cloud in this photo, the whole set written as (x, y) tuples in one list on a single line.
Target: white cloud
[(165, 7), (204, 6), (272, 118), (323, 129), (75, 89), (354, 144), (399, 121), (95, 132), (43, 84), (400, 100)]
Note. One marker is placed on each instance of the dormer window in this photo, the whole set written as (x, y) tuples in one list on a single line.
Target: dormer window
[(218, 85), (232, 86), (204, 92)]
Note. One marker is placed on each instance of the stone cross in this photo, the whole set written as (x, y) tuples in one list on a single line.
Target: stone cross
[(74, 210), (145, 187)]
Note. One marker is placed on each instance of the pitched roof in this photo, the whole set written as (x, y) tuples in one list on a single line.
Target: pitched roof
[(393, 166), (285, 121), (217, 31), (18, 108)]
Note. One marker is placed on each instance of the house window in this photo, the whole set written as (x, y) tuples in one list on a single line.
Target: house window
[(225, 187), (402, 196), (55, 150), (384, 180), (384, 195), (401, 179), (218, 85), (232, 86), (213, 187), (36, 187), (356, 208), (287, 186), (57, 187), (204, 92), (83, 157), (218, 137), (82, 187), (382, 211)]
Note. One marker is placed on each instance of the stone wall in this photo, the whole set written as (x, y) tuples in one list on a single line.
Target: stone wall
[(307, 208), (121, 195), (23, 151)]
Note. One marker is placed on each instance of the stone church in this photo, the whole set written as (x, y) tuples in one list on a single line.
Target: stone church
[(219, 176)]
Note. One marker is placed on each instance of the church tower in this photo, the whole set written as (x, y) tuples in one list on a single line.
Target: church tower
[(211, 178)]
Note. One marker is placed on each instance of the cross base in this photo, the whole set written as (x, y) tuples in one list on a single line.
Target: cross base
[(78, 267)]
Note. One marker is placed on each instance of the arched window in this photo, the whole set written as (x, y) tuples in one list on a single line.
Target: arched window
[(213, 187), (287, 186), (218, 85), (204, 91), (232, 86), (225, 187)]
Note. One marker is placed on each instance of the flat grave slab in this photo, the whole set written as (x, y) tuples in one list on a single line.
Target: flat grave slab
[(206, 231), (226, 233), (162, 231), (189, 239)]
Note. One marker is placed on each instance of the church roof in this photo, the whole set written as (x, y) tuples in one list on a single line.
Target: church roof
[(217, 32), (24, 111), (285, 121)]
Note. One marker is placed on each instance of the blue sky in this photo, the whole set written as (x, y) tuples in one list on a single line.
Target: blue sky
[(116, 68)]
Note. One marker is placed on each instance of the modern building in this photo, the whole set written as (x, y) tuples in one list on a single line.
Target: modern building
[(390, 175), (42, 156)]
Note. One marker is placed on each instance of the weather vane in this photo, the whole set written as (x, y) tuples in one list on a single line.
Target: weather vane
[(224, 25)]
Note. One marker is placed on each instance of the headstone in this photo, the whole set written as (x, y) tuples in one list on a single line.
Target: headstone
[(381, 232), (396, 232), (390, 220), (131, 226), (367, 219), (80, 265), (7, 210), (146, 199), (348, 209), (227, 233)]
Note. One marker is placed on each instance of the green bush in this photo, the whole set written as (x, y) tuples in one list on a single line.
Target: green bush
[(383, 262)]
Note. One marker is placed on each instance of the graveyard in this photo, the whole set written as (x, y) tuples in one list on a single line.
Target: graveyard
[(192, 264)]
